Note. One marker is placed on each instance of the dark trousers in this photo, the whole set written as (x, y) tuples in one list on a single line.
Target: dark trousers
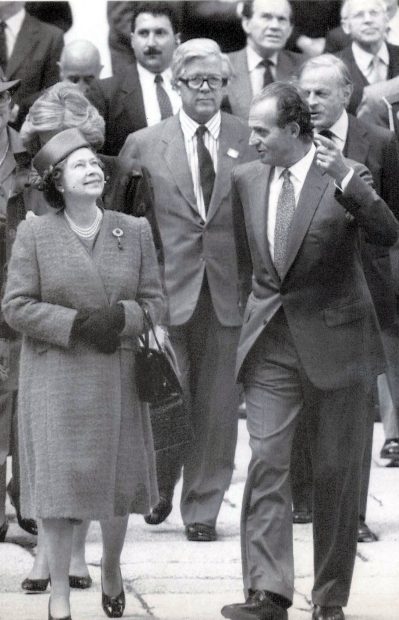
[(205, 351), (277, 393)]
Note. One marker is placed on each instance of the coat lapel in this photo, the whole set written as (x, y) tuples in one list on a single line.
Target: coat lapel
[(25, 43), (176, 160), (357, 145), (131, 100), (309, 199)]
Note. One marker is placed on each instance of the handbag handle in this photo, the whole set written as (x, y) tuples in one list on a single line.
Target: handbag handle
[(149, 326)]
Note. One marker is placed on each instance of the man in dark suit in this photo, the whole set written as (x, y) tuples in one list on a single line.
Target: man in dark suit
[(327, 86), (267, 24), (309, 342), (369, 58), (190, 158), (29, 51), (142, 95)]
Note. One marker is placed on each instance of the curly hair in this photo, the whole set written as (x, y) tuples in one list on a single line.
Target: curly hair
[(60, 107)]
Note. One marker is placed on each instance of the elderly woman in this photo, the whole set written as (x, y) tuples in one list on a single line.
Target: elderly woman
[(78, 281)]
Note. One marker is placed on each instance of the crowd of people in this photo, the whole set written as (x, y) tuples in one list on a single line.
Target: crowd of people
[(248, 202)]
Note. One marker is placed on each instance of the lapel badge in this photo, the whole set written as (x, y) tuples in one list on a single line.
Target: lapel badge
[(118, 233), (233, 153)]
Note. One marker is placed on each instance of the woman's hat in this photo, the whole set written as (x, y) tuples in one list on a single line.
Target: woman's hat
[(58, 148)]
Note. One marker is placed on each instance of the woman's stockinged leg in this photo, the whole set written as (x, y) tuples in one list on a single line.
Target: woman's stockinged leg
[(114, 532), (78, 564), (58, 543)]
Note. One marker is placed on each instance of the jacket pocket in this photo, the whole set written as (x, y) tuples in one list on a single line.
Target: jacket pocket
[(345, 314)]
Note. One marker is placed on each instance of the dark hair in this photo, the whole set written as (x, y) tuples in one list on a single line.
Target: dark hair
[(291, 107), (156, 8), (248, 9)]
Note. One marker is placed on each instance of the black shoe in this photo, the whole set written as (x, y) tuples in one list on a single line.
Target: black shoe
[(258, 606), (113, 606), (50, 617), (80, 583), (390, 449), (3, 531), (302, 516), (327, 613), (35, 585), (200, 532), (364, 534), (160, 512)]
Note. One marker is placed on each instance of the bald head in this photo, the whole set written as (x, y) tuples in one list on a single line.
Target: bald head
[(80, 63)]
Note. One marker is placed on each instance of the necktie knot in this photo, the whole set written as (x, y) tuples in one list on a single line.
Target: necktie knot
[(201, 131), (158, 78), (286, 174), (327, 133)]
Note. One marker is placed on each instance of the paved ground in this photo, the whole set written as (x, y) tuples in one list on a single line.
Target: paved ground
[(168, 578)]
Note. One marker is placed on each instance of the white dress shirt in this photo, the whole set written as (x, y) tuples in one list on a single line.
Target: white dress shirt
[(211, 141), (366, 63), (13, 26), (149, 90), (257, 70)]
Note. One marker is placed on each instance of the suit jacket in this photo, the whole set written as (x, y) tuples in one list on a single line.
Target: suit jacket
[(359, 81), (323, 290), (239, 90), (378, 149), (380, 105), (192, 246), (34, 61), (119, 100)]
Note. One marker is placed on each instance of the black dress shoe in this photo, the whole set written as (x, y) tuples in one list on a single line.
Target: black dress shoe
[(3, 531), (364, 534), (200, 532), (50, 617), (390, 449), (35, 585), (113, 606), (302, 516), (160, 512), (327, 613), (80, 583), (258, 606)]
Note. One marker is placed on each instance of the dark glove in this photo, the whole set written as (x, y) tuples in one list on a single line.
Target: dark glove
[(100, 328)]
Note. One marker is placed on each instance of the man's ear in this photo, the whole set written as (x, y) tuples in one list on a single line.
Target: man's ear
[(178, 38), (345, 27), (294, 129)]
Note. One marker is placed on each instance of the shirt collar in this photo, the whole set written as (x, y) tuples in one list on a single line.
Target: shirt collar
[(14, 23), (363, 58), (300, 169), (189, 126), (149, 76), (254, 59), (340, 127)]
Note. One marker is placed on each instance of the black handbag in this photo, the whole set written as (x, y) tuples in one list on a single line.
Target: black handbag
[(158, 384)]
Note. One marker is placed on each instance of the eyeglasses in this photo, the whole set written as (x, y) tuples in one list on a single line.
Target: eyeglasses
[(5, 97), (75, 79), (196, 81)]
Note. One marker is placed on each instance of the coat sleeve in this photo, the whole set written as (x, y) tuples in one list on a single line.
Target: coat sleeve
[(22, 306), (244, 260), (373, 110), (149, 293)]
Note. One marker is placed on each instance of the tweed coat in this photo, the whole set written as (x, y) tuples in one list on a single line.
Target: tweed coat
[(86, 447)]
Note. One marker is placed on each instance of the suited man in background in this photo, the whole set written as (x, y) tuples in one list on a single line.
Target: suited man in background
[(29, 51), (268, 25), (190, 158), (369, 58), (327, 86), (310, 341), (143, 94)]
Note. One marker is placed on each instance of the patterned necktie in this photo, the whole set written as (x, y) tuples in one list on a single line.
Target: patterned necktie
[(285, 211), (165, 107), (376, 71), (206, 169), (267, 76), (3, 46)]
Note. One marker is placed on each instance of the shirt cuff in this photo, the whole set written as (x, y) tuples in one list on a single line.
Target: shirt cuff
[(345, 181)]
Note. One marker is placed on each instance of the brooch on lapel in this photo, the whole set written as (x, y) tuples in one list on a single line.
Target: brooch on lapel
[(118, 233), (233, 153)]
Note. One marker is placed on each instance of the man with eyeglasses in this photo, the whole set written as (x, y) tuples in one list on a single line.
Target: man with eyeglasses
[(190, 158), (80, 63), (268, 25)]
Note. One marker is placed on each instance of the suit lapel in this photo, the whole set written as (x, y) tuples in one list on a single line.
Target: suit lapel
[(309, 199), (357, 145), (241, 87), (393, 68), (176, 160), (24, 45), (231, 146), (132, 103)]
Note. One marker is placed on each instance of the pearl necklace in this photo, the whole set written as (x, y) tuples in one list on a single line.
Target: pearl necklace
[(86, 232)]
